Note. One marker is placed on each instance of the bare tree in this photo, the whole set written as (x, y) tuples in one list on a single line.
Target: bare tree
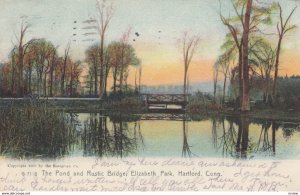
[(215, 78), (22, 47), (282, 28), (223, 65), (105, 14), (188, 45), (140, 78), (125, 56)]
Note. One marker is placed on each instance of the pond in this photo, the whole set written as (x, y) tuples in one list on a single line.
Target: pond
[(149, 135)]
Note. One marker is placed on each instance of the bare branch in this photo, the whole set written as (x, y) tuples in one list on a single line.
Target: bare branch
[(237, 13), (289, 17)]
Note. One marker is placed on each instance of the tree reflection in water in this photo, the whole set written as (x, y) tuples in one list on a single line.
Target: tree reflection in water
[(227, 139), (264, 144), (235, 142), (96, 138), (116, 139), (186, 151), (123, 136), (243, 136), (42, 133)]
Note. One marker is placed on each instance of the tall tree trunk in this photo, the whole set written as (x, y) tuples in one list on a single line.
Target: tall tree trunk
[(71, 86), (135, 80), (45, 85), (215, 77), (140, 79), (185, 83), (122, 68), (240, 68), (95, 78), (106, 72), (51, 79), (29, 80), (224, 88), (115, 80), (274, 92), (51, 85), (12, 87), (62, 83), (40, 83), (20, 71), (101, 64), (90, 86), (246, 87), (105, 82)]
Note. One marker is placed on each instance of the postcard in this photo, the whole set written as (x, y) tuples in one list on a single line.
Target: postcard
[(143, 95)]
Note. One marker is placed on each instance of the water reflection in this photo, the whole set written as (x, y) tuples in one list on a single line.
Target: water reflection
[(243, 136), (264, 142), (238, 144), (186, 151), (114, 138), (121, 135), (96, 137)]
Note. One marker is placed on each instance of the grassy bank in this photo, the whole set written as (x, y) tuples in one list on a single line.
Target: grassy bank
[(197, 109), (34, 130)]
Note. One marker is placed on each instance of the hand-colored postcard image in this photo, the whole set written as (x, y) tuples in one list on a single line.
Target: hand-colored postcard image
[(149, 95)]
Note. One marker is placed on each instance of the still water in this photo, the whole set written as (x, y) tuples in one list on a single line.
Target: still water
[(159, 135)]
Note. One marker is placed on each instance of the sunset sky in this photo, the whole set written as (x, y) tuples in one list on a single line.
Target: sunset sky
[(159, 22)]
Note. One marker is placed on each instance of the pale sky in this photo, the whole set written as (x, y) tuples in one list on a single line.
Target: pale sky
[(160, 55)]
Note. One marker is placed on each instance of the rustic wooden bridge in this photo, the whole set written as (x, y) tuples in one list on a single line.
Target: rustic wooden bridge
[(166, 101)]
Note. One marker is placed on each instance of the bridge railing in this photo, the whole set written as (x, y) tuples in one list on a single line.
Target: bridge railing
[(166, 98)]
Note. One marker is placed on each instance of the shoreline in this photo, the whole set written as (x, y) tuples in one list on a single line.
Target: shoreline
[(96, 105)]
